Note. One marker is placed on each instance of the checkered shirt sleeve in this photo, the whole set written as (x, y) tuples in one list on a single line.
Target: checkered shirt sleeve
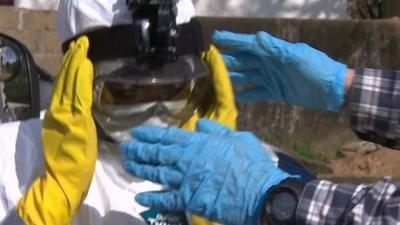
[(375, 106), (326, 203)]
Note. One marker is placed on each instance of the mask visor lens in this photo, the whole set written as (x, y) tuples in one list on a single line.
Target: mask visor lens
[(120, 94)]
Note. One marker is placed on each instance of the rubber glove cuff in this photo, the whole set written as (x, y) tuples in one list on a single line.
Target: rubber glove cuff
[(338, 89)]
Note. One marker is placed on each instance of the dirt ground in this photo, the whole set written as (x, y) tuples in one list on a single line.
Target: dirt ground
[(380, 163), (356, 165)]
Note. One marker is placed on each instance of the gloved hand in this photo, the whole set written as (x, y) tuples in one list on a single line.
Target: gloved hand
[(69, 145), (222, 108), (266, 68), (217, 173)]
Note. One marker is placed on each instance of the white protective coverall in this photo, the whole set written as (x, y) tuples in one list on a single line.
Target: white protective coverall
[(110, 199)]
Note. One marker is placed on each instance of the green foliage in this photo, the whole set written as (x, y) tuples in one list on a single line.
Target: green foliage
[(299, 147), (375, 9), (306, 151), (365, 9)]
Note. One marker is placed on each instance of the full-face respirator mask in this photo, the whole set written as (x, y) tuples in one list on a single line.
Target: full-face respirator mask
[(150, 69)]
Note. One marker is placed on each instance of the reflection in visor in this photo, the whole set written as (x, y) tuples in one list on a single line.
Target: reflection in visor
[(115, 93), (14, 111), (121, 106), (9, 63)]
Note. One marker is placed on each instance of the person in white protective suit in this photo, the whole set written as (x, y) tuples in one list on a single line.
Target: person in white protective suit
[(128, 91)]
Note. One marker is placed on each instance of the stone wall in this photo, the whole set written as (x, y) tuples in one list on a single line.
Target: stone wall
[(322, 9), (367, 43), (35, 29)]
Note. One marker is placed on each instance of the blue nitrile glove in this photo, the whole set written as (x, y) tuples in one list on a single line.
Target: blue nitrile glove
[(266, 68), (215, 173)]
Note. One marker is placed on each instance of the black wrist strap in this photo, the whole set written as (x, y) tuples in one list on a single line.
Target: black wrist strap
[(292, 186)]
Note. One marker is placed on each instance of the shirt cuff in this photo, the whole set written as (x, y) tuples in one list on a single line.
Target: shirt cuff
[(323, 202), (375, 106)]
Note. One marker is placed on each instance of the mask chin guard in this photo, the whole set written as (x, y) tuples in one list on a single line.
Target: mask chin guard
[(158, 31)]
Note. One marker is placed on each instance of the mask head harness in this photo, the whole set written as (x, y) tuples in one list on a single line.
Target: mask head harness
[(148, 69), (154, 38), (155, 21)]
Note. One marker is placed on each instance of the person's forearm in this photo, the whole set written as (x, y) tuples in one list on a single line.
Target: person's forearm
[(349, 80), (324, 202)]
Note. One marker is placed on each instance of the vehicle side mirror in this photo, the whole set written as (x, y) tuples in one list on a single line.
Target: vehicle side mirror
[(19, 82)]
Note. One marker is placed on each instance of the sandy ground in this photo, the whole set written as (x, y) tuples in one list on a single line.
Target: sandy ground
[(384, 162)]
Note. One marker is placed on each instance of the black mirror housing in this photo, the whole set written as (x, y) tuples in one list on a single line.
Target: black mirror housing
[(19, 83)]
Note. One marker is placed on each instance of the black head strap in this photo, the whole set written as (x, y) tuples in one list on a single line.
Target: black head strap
[(121, 41)]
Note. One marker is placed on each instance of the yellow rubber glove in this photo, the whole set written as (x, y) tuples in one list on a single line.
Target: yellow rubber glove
[(69, 145), (222, 108)]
